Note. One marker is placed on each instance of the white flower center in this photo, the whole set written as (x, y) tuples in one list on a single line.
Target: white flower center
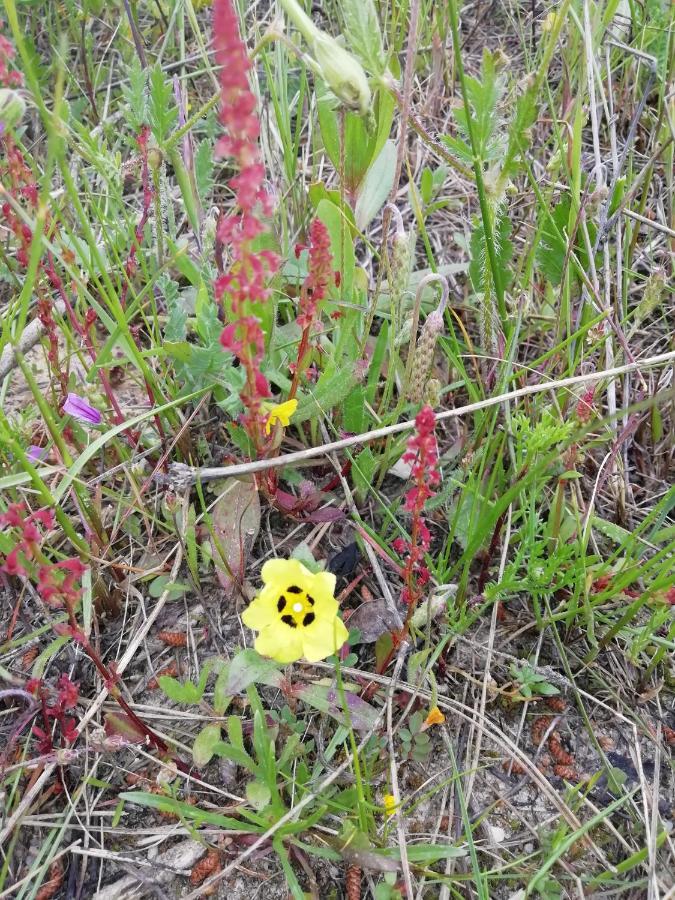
[(297, 607)]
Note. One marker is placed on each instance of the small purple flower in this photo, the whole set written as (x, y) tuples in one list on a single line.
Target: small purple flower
[(35, 453), (78, 407)]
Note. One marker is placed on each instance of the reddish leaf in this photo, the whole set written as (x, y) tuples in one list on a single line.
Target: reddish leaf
[(236, 522)]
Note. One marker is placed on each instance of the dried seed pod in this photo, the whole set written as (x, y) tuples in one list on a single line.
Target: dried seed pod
[(560, 756), (514, 767), (557, 704), (568, 772), (173, 638), (353, 883), (29, 657), (539, 727), (51, 887), (173, 669), (207, 865)]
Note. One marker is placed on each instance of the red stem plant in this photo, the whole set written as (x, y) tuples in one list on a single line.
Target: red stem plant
[(58, 584), (243, 289), (314, 290), (422, 454)]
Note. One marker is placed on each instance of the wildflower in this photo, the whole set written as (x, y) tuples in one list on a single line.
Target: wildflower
[(279, 412), (435, 717), (296, 613), (422, 453), (79, 409), (243, 289), (389, 802), (320, 266), (35, 453)]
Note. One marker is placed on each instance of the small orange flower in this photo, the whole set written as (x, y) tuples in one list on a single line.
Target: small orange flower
[(435, 717)]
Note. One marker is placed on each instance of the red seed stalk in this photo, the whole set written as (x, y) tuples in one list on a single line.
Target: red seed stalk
[(242, 289), (313, 291), (422, 453)]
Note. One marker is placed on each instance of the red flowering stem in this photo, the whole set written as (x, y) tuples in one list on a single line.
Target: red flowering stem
[(422, 453), (243, 288), (110, 680), (314, 290)]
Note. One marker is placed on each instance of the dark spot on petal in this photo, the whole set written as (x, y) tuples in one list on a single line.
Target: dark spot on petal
[(309, 618), (310, 600), (294, 589), (289, 620), (281, 602)]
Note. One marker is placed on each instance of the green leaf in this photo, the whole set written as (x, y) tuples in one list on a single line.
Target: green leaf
[(484, 94), (247, 668), (163, 583), (258, 794), (332, 388), (163, 111), (376, 186), (185, 811), (326, 698), (364, 468), (135, 95), (204, 168), (341, 243), (188, 692), (362, 29), (354, 411), (205, 744), (361, 144)]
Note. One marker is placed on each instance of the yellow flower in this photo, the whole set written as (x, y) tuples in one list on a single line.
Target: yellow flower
[(435, 717), (279, 412), (296, 613), (389, 804)]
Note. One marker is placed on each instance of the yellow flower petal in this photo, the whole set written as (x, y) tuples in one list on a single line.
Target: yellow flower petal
[(323, 638), (279, 412), (284, 572), (259, 614), (287, 651)]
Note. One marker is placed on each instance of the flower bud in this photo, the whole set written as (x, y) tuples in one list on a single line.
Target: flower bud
[(12, 107), (343, 73)]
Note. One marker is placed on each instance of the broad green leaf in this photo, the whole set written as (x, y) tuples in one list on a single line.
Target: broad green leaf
[(247, 668), (326, 698), (376, 186), (204, 747), (258, 794), (341, 243), (364, 468), (362, 29), (331, 389)]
